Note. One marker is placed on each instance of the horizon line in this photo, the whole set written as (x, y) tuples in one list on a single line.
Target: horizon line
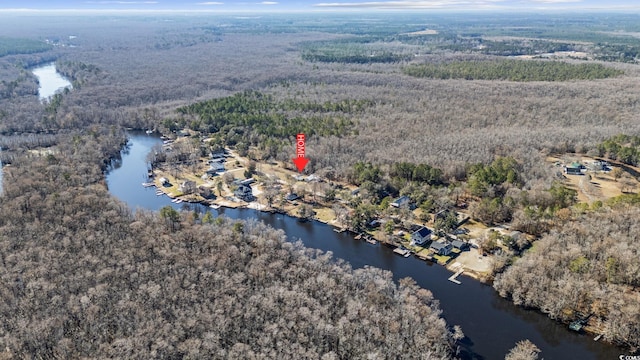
[(609, 9)]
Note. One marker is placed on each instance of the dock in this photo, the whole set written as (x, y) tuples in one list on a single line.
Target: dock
[(453, 277), (402, 251), (148, 184)]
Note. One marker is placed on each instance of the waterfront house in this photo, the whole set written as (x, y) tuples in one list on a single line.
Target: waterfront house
[(461, 245), (420, 236), (401, 202), (441, 248), (244, 192), (374, 223), (164, 181)]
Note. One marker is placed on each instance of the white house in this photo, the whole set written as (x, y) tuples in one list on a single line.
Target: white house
[(421, 236)]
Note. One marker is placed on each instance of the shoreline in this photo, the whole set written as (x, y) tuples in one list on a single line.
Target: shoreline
[(223, 202)]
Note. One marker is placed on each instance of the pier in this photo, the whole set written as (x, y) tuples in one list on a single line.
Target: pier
[(453, 277)]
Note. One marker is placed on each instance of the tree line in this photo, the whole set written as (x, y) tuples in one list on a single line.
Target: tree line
[(622, 147), (512, 70), (15, 46)]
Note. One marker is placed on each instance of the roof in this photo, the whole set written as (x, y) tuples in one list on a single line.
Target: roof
[(574, 165), (291, 196), (401, 200), (459, 244), (423, 232), (438, 245), (247, 181)]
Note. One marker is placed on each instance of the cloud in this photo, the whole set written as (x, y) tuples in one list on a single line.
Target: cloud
[(268, 3), (211, 3), (121, 2), (555, 1), (412, 4)]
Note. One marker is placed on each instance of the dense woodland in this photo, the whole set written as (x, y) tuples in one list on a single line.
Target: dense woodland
[(177, 284), (512, 70), (589, 265)]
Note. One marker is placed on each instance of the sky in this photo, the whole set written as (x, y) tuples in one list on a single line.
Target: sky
[(325, 5)]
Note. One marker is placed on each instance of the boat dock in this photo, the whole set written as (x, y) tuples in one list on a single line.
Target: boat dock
[(453, 277), (402, 251), (371, 240)]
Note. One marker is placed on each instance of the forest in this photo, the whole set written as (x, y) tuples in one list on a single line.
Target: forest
[(14, 46), (85, 277), (127, 284), (512, 70)]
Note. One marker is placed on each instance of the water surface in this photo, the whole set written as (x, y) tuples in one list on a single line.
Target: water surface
[(50, 80)]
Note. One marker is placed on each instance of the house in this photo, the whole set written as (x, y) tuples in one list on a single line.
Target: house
[(441, 248), (248, 181), (402, 201), (460, 245), (420, 236), (244, 192), (164, 181), (516, 235), (575, 168), (215, 167), (218, 154), (442, 214), (187, 187), (374, 223), (291, 197)]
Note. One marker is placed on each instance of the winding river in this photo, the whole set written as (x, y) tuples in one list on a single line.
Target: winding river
[(49, 80), (492, 325)]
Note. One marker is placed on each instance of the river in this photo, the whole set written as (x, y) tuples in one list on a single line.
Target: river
[(492, 325), (49, 80)]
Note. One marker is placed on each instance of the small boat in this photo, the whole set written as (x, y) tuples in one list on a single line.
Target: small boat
[(402, 251), (597, 337), (178, 201), (149, 132), (214, 206), (371, 241), (174, 200)]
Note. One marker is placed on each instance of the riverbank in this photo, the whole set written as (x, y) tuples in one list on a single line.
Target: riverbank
[(272, 187)]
